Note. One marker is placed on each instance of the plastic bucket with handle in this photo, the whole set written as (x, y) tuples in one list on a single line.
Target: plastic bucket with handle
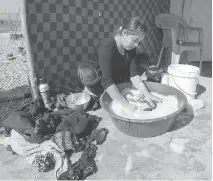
[(185, 78)]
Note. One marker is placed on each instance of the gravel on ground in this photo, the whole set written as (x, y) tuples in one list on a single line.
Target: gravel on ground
[(13, 74)]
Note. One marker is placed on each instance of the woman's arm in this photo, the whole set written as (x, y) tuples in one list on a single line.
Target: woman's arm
[(134, 74), (138, 83), (115, 94)]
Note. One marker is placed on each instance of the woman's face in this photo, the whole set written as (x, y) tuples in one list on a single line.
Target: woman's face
[(130, 41)]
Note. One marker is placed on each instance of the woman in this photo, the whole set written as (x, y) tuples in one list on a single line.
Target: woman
[(115, 59)]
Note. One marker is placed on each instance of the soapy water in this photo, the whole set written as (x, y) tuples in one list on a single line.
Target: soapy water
[(168, 106), (178, 145)]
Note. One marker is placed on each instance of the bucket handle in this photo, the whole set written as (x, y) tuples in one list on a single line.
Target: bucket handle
[(183, 90)]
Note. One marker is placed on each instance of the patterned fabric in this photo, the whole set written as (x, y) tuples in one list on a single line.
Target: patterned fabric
[(44, 162), (65, 140), (64, 32), (86, 165)]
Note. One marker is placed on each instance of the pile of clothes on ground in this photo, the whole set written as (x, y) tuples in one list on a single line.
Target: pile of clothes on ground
[(48, 139)]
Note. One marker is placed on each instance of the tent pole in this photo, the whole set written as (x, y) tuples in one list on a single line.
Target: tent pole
[(26, 32)]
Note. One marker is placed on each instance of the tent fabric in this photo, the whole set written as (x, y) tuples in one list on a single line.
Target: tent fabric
[(62, 33)]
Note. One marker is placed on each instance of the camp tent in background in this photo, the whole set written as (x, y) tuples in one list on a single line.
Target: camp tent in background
[(60, 34)]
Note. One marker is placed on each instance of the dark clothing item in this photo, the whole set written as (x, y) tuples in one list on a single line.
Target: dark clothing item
[(90, 76), (109, 67), (35, 131), (66, 140), (86, 165), (94, 103), (69, 174), (114, 67), (89, 73), (38, 130), (78, 122), (98, 135), (36, 109), (20, 122), (46, 125)]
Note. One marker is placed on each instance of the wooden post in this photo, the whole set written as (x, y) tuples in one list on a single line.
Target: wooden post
[(30, 58)]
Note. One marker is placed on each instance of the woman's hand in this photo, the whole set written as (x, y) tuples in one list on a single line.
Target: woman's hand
[(129, 109)]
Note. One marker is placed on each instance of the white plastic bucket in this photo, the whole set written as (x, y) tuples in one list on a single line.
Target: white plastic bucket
[(185, 78)]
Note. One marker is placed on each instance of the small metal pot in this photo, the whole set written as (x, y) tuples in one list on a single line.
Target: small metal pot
[(78, 101)]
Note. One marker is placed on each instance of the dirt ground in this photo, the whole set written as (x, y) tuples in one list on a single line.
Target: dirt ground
[(183, 153)]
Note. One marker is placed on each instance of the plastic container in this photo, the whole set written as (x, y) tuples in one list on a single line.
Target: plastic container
[(145, 127), (184, 78), (45, 94)]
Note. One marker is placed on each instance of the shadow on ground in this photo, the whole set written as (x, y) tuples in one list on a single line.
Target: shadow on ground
[(6, 107), (183, 119), (18, 90), (200, 90)]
